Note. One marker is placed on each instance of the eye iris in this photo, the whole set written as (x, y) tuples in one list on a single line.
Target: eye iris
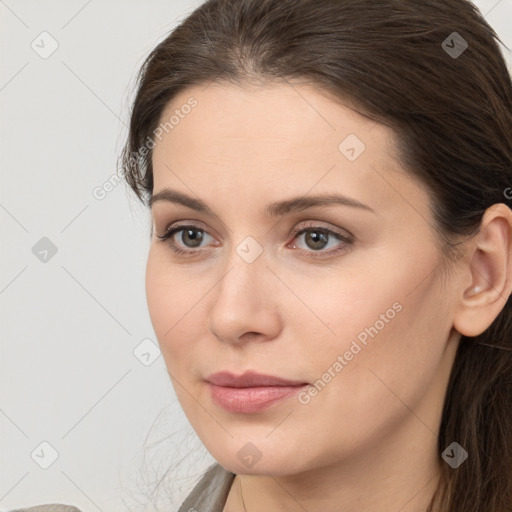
[(316, 237), (196, 240)]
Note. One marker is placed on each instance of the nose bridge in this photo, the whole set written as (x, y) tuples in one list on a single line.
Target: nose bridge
[(246, 268), (242, 298)]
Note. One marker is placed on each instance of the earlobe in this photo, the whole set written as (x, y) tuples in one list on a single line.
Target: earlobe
[(489, 269)]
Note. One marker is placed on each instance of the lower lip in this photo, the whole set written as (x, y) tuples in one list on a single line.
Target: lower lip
[(251, 400)]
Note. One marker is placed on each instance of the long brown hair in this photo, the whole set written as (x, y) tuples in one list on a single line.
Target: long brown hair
[(432, 70)]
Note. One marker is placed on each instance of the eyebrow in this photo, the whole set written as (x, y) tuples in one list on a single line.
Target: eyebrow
[(277, 209)]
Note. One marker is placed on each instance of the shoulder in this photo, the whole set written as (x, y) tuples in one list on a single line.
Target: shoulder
[(51, 507)]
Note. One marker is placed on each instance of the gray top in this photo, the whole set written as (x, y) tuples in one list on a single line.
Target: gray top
[(208, 495), (211, 492)]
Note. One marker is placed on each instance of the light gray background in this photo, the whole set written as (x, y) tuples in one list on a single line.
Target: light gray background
[(69, 326)]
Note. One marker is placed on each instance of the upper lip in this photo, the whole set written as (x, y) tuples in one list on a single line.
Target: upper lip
[(249, 379)]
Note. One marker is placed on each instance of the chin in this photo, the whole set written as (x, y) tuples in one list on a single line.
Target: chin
[(259, 458)]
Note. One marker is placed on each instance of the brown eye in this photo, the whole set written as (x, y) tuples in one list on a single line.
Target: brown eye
[(316, 239), (190, 239), (192, 236)]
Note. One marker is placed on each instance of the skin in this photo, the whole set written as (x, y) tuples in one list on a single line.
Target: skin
[(368, 440)]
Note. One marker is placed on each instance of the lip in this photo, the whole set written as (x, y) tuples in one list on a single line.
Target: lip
[(249, 379), (251, 392)]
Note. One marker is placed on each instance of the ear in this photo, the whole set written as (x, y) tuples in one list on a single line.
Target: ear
[(489, 272)]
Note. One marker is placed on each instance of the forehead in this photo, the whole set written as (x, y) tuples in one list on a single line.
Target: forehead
[(277, 136), (276, 112)]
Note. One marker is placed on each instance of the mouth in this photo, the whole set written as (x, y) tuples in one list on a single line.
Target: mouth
[(251, 392)]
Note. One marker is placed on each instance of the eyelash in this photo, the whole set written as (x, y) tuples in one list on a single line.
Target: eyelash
[(172, 230)]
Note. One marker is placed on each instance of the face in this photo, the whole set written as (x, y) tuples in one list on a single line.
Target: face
[(345, 297)]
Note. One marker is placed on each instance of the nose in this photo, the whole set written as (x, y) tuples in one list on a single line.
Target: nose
[(245, 303)]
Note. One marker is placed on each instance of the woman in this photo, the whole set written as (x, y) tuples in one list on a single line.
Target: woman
[(330, 263)]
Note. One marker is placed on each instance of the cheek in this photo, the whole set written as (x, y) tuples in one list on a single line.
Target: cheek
[(376, 325), (363, 389), (159, 295), (176, 303), (167, 295), (339, 310)]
